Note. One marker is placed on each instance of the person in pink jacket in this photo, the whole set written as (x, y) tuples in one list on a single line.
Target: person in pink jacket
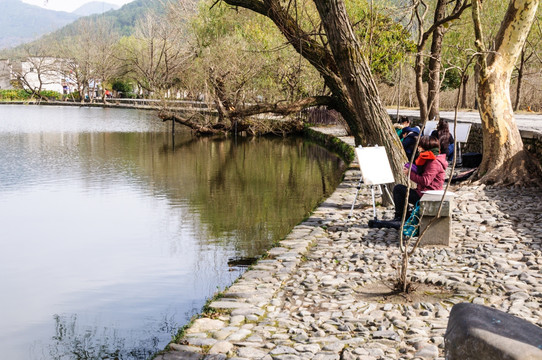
[(429, 174)]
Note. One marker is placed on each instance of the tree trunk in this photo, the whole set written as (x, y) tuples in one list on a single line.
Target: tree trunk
[(420, 94), (429, 104), (465, 81), (433, 90), (520, 79), (353, 69), (504, 159), (476, 82)]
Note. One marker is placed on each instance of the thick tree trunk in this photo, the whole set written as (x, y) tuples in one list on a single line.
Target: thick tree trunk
[(504, 159), (353, 69), (251, 127)]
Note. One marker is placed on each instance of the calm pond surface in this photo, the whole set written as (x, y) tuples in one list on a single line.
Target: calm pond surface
[(112, 237)]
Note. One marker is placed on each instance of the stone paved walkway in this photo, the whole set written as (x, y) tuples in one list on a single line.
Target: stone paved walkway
[(309, 298)]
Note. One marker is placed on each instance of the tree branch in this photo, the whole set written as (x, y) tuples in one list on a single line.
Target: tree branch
[(479, 38), (283, 109), (453, 16), (311, 50)]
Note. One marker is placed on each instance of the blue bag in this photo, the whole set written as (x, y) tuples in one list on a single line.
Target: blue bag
[(412, 224)]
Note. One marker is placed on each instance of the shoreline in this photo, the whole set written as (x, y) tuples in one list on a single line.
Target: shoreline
[(307, 298)]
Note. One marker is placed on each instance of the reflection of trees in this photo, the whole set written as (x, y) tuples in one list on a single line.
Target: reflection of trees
[(271, 185), (178, 144), (71, 342), (247, 193)]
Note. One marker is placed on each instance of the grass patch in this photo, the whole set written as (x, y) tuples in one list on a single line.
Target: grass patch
[(332, 143)]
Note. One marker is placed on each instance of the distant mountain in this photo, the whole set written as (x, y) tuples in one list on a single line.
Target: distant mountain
[(95, 7), (123, 19), (20, 22)]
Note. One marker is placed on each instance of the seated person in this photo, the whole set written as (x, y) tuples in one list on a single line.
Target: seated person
[(400, 125), (410, 135), (429, 175)]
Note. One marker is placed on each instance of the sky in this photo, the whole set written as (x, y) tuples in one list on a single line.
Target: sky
[(69, 5)]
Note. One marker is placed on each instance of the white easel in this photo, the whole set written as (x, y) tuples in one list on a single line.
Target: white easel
[(375, 171)]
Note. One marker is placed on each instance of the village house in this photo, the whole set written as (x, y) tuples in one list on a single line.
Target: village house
[(5, 74), (45, 73)]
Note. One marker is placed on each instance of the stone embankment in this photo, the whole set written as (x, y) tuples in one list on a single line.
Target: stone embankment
[(319, 294)]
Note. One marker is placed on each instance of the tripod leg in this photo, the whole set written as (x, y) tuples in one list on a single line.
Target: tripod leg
[(374, 204), (388, 193), (355, 197)]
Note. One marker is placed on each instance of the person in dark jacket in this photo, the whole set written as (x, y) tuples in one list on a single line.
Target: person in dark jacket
[(410, 135), (446, 140), (430, 174), (400, 125)]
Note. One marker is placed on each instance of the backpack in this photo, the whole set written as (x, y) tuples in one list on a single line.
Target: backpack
[(412, 224)]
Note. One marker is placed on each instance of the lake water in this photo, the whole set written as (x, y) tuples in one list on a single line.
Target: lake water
[(112, 235)]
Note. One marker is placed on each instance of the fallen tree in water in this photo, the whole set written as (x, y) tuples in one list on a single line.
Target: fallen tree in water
[(260, 119), (249, 126)]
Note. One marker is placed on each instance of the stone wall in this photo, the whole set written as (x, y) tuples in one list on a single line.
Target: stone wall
[(533, 143), (531, 139)]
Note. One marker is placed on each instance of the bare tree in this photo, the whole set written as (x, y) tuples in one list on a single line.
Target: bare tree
[(429, 104), (88, 54), (104, 62), (78, 52), (36, 70), (157, 54)]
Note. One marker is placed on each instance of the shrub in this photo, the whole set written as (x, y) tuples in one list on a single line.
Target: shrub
[(21, 95), (51, 95), (122, 86), (14, 95)]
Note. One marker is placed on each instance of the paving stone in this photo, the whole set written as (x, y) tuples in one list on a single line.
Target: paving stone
[(221, 347), (204, 324)]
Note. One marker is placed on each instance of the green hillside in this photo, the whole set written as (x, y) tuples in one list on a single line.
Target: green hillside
[(123, 21)]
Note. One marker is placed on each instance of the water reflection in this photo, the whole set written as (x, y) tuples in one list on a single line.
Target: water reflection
[(111, 237), (72, 342)]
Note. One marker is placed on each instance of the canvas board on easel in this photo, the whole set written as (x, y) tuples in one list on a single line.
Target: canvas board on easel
[(463, 130), (374, 165)]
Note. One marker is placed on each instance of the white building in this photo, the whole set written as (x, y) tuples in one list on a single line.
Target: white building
[(42, 72), (5, 74)]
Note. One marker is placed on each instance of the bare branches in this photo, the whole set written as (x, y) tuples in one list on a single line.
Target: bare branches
[(284, 109), (302, 42), (251, 126), (456, 14), (158, 53)]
